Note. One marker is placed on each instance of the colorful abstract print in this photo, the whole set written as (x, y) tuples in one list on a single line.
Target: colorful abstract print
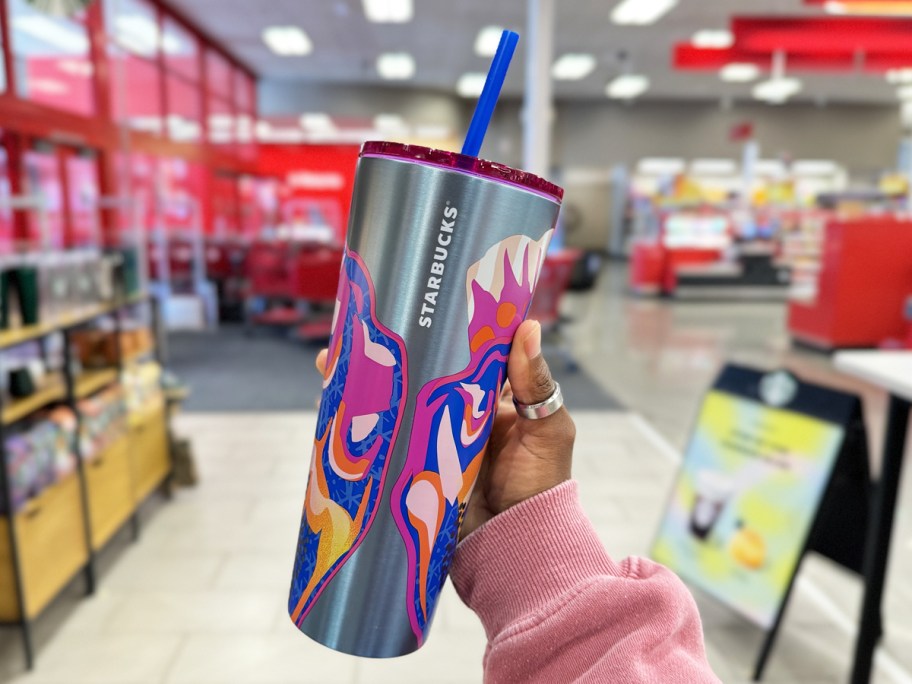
[(360, 413), (453, 420)]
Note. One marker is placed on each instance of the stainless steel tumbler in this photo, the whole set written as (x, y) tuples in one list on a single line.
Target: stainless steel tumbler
[(442, 258)]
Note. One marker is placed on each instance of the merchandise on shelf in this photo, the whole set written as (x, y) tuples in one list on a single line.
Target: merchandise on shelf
[(39, 456), (47, 287), (103, 421), (27, 368), (97, 348), (142, 385)]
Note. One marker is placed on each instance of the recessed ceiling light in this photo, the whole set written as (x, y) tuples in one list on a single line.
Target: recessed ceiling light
[(777, 90), (317, 122), (627, 87), (487, 41), (471, 84), (641, 12), (389, 11), (713, 38), (739, 72), (396, 66), (287, 41), (573, 66)]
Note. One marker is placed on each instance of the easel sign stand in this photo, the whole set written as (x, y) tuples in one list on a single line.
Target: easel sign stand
[(776, 468)]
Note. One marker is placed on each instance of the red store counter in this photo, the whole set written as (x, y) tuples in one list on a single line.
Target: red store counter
[(855, 295)]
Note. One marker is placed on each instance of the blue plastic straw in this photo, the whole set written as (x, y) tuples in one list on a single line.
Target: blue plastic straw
[(493, 84)]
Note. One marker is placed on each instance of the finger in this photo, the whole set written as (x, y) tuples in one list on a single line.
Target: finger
[(321, 361), (530, 377), (506, 393)]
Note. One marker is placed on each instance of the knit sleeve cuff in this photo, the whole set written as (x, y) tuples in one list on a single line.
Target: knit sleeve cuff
[(528, 556)]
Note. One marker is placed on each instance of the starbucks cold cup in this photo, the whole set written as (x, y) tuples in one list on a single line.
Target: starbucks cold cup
[(442, 258)]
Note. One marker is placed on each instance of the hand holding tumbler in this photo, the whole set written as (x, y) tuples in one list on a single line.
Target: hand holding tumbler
[(442, 257)]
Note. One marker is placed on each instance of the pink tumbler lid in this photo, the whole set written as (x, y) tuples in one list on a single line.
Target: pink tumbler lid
[(461, 162)]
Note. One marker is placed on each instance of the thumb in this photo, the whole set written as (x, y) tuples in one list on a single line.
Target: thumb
[(530, 377)]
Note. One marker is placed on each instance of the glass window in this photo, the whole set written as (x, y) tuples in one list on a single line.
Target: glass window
[(41, 169), (136, 92), (2, 68), (51, 57), (133, 25), (185, 113), (7, 231), (82, 188), (219, 74), (222, 122), (181, 50), (244, 92)]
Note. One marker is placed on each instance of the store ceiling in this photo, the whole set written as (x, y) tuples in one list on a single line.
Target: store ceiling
[(442, 34)]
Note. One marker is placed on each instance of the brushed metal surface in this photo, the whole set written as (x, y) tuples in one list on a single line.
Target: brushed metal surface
[(397, 208)]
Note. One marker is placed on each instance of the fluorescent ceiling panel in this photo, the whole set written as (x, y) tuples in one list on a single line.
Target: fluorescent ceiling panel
[(287, 41), (739, 72), (713, 38), (641, 12), (573, 66), (487, 41), (777, 90), (471, 84), (396, 66), (627, 87), (389, 11)]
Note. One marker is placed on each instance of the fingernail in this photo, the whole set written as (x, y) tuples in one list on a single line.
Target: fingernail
[(532, 343)]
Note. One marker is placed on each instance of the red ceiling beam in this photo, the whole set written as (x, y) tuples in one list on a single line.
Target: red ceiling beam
[(823, 35), (686, 57)]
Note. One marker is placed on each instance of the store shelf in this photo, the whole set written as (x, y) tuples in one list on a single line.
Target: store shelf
[(52, 548), (140, 417), (93, 380), (149, 452), (12, 338), (53, 390), (109, 488)]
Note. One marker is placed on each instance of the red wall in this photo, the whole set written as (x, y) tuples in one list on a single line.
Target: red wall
[(321, 176)]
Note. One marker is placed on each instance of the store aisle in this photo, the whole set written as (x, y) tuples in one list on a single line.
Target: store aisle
[(232, 370)]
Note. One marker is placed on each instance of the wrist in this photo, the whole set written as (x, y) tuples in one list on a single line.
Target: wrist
[(528, 556)]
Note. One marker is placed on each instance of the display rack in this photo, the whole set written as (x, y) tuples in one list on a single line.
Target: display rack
[(852, 290), (56, 534)]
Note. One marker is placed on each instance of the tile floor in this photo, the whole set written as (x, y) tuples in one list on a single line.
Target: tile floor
[(200, 598)]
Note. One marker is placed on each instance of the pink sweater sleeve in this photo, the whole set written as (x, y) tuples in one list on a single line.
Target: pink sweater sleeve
[(557, 608)]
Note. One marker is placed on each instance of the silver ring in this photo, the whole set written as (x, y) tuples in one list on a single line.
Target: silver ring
[(548, 407)]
